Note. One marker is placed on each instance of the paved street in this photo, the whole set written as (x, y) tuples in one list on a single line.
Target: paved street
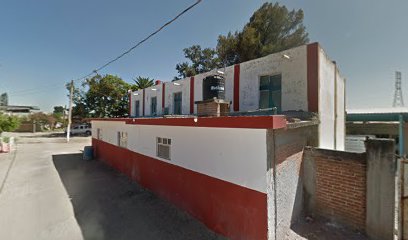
[(51, 193)]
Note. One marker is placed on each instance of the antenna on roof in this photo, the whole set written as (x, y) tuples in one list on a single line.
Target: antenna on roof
[(398, 101)]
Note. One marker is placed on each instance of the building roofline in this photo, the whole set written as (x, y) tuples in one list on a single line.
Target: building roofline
[(253, 122)]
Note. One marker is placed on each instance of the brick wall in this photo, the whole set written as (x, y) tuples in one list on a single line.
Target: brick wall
[(212, 108), (339, 186)]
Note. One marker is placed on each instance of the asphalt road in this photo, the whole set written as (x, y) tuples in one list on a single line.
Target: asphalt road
[(49, 192)]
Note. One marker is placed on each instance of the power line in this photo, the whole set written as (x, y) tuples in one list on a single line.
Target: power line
[(144, 40), (28, 91), (33, 91), (127, 51)]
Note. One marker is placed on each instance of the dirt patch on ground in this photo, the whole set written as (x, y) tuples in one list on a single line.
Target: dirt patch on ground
[(322, 230)]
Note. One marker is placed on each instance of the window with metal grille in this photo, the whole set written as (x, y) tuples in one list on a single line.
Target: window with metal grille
[(163, 147)]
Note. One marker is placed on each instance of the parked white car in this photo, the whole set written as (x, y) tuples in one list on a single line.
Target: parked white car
[(83, 129)]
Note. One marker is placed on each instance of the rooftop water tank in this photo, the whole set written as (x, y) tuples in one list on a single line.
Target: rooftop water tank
[(213, 87)]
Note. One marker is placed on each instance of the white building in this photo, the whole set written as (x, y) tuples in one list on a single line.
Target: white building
[(301, 78), (239, 175)]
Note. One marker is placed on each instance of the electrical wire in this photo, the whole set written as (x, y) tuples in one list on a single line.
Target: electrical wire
[(23, 92), (144, 40)]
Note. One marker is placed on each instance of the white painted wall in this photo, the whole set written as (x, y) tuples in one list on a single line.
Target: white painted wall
[(294, 79), (229, 85), (294, 90), (149, 93), (235, 155), (184, 87), (326, 101), (331, 104), (136, 96), (341, 114), (294, 83)]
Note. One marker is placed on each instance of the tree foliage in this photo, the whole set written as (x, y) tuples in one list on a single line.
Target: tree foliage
[(202, 60), (44, 119), (272, 28), (8, 123), (101, 96), (142, 82), (58, 110), (58, 114)]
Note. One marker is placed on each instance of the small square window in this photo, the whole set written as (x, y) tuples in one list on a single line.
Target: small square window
[(159, 140), (169, 141), (164, 140)]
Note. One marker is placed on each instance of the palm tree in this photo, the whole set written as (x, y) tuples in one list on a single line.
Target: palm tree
[(143, 82)]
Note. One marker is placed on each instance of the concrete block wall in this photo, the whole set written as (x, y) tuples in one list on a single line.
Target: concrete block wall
[(381, 189), (285, 188)]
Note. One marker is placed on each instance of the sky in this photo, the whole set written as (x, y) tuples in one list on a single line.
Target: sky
[(46, 43)]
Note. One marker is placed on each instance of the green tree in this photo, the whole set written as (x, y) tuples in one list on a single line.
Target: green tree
[(8, 123), (101, 96), (201, 60), (47, 120), (80, 108), (227, 48), (142, 82), (58, 114), (272, 28), (58, 110)]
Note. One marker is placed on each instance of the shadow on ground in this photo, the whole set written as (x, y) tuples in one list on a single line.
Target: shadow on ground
[(109, 206)]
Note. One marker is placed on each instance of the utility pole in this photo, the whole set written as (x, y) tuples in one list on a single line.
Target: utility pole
[(71, 92)]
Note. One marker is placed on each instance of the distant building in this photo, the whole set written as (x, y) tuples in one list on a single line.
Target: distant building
[(4, 99), (14, 109), (377, 123)]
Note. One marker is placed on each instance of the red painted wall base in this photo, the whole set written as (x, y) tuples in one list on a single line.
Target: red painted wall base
[(228, 209)]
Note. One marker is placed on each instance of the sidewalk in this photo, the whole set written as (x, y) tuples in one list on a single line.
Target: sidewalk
[(51, 193), (5, 161), (33, 201)]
